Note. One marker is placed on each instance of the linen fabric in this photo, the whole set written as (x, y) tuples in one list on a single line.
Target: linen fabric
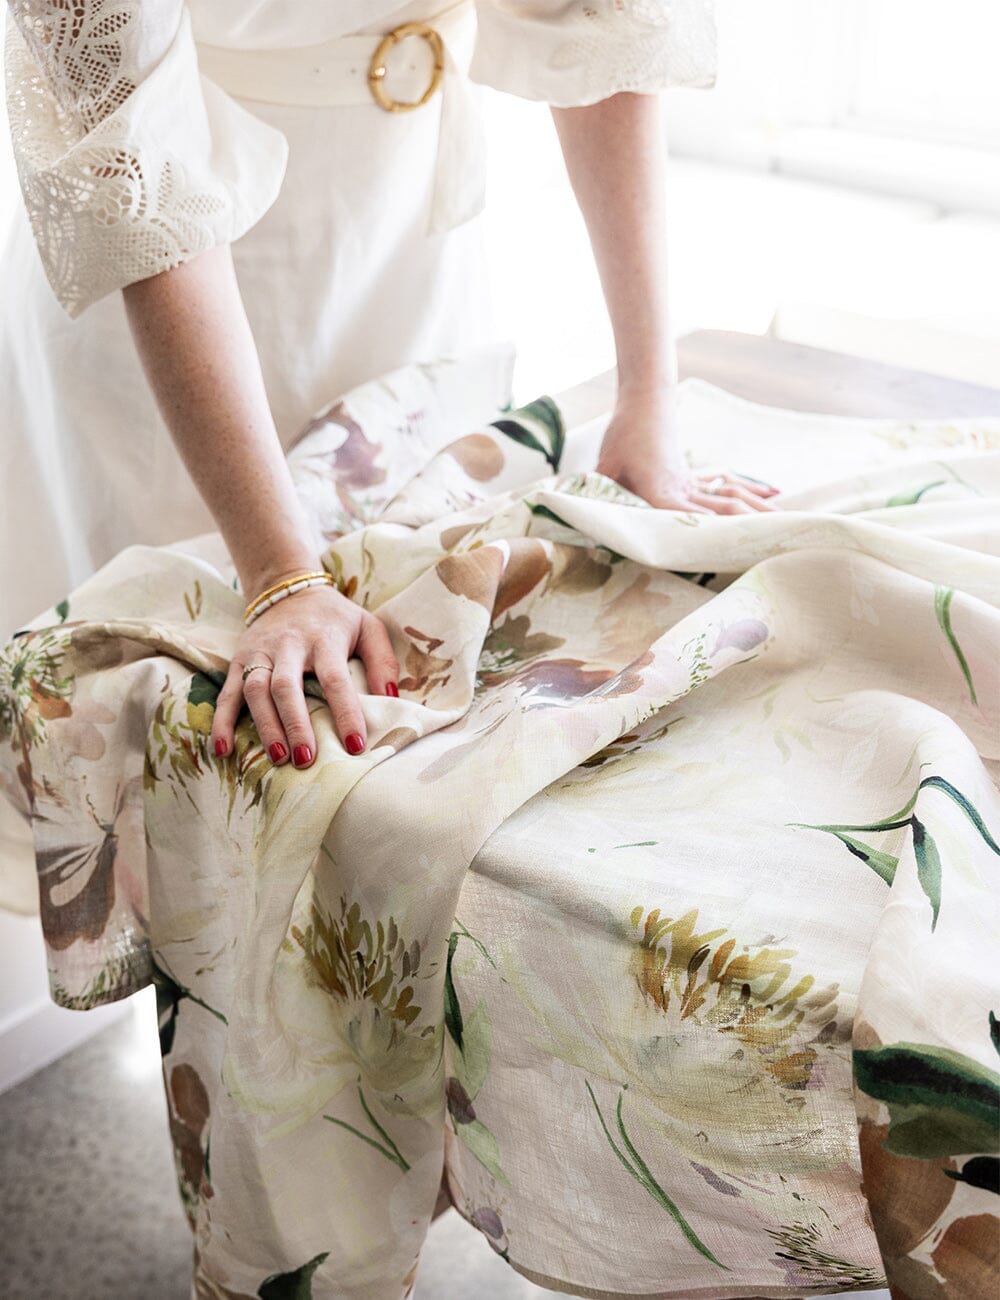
[(660, 910), (131, 160)]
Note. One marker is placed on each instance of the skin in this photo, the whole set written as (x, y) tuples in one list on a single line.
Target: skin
[(615, 153), (198, 353)]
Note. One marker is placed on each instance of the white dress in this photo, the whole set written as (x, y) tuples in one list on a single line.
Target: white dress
[(145, 133)]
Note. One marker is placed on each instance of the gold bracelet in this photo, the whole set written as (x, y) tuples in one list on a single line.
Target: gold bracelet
[(310, 578)]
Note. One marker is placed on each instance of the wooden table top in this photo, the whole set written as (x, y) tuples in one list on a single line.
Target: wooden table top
[(779, 373)]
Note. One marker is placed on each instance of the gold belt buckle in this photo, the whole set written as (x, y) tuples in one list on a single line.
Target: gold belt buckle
[(377, 68)]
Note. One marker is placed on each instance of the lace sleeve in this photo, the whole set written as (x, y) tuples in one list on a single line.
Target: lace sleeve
[(129, 161), (576, 52)]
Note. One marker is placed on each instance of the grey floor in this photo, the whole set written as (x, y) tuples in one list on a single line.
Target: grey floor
[(88, 1204)]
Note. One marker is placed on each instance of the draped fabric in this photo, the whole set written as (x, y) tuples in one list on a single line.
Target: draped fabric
[(660, 911)]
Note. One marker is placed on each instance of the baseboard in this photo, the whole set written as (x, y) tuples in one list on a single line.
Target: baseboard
[(41, 1032)]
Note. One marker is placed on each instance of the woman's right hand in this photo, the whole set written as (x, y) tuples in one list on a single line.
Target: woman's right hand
[(316, 630)]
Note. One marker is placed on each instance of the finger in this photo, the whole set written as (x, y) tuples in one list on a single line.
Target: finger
[(374, 649), (227, 710), (289, 699), (747, 494), (753, 485), (721, 505), (671, 503), (756, 484), (257, 693), (345, 707)]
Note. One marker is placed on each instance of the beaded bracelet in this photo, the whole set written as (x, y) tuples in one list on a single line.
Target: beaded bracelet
[(282, 589)]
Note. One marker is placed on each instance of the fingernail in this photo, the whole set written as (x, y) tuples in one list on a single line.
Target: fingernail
[(221, 748), (278, 752), (302, 756), (392, 689), (354, 744)]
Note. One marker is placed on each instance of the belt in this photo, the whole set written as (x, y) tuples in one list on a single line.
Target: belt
[(358, 69)]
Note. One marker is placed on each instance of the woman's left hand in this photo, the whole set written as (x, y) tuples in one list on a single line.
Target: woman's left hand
[(641, 451)]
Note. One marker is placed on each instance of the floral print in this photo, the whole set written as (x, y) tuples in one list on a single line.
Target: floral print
[(658, 918)]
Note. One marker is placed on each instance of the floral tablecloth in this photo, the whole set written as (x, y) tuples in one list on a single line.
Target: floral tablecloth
[(660, 911)]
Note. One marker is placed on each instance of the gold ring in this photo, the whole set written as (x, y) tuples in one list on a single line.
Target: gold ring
[(714, 484), (250, 668), (377, 69)]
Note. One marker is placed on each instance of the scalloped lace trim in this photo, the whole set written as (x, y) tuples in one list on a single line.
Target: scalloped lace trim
[(103, 213)]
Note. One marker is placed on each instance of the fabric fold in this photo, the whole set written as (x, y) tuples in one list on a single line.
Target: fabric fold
[(653, 892)]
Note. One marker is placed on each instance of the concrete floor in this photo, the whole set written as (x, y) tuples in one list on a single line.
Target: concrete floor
[(88, 1201)]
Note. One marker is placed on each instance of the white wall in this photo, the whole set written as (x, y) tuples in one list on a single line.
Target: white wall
[(897, 96)]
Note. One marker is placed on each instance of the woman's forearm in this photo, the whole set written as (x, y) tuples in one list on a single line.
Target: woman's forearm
[(195, 343), (615, 154)]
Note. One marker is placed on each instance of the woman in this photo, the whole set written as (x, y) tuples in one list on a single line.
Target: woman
[(150, 137)]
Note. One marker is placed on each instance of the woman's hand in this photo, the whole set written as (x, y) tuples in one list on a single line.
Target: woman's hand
[(641, 451), (316, 631), (194, 340)]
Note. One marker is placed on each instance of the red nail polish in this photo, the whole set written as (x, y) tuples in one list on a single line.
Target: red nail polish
[(354, 744), (302, 756), (392, 689), (277, 752), (221, 748)]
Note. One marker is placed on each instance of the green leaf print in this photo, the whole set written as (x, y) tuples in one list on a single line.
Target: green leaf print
[(928, 867), (942, 609), (543, 512), (62, 609), (473, 1062), (995, 1032), (640, 1171), (980, 1171), (925, 851), (296, 1285), (386, 1147), (205, 688), (883, 864), (473, 1040), (170, 993), (910, 496), (538, 426), (939, 783), (483, 1145), (452, 1010), (941, 1102)]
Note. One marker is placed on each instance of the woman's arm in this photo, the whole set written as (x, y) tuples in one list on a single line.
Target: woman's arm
[(194, 340), (615, 153), (199, 356)]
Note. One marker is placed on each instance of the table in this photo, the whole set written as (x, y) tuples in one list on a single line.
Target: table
[(778, 373)]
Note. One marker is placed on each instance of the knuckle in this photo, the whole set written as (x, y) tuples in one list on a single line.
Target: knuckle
[(255, 687), (335, 687), (292, 713), (284, 686), (375, 630)]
